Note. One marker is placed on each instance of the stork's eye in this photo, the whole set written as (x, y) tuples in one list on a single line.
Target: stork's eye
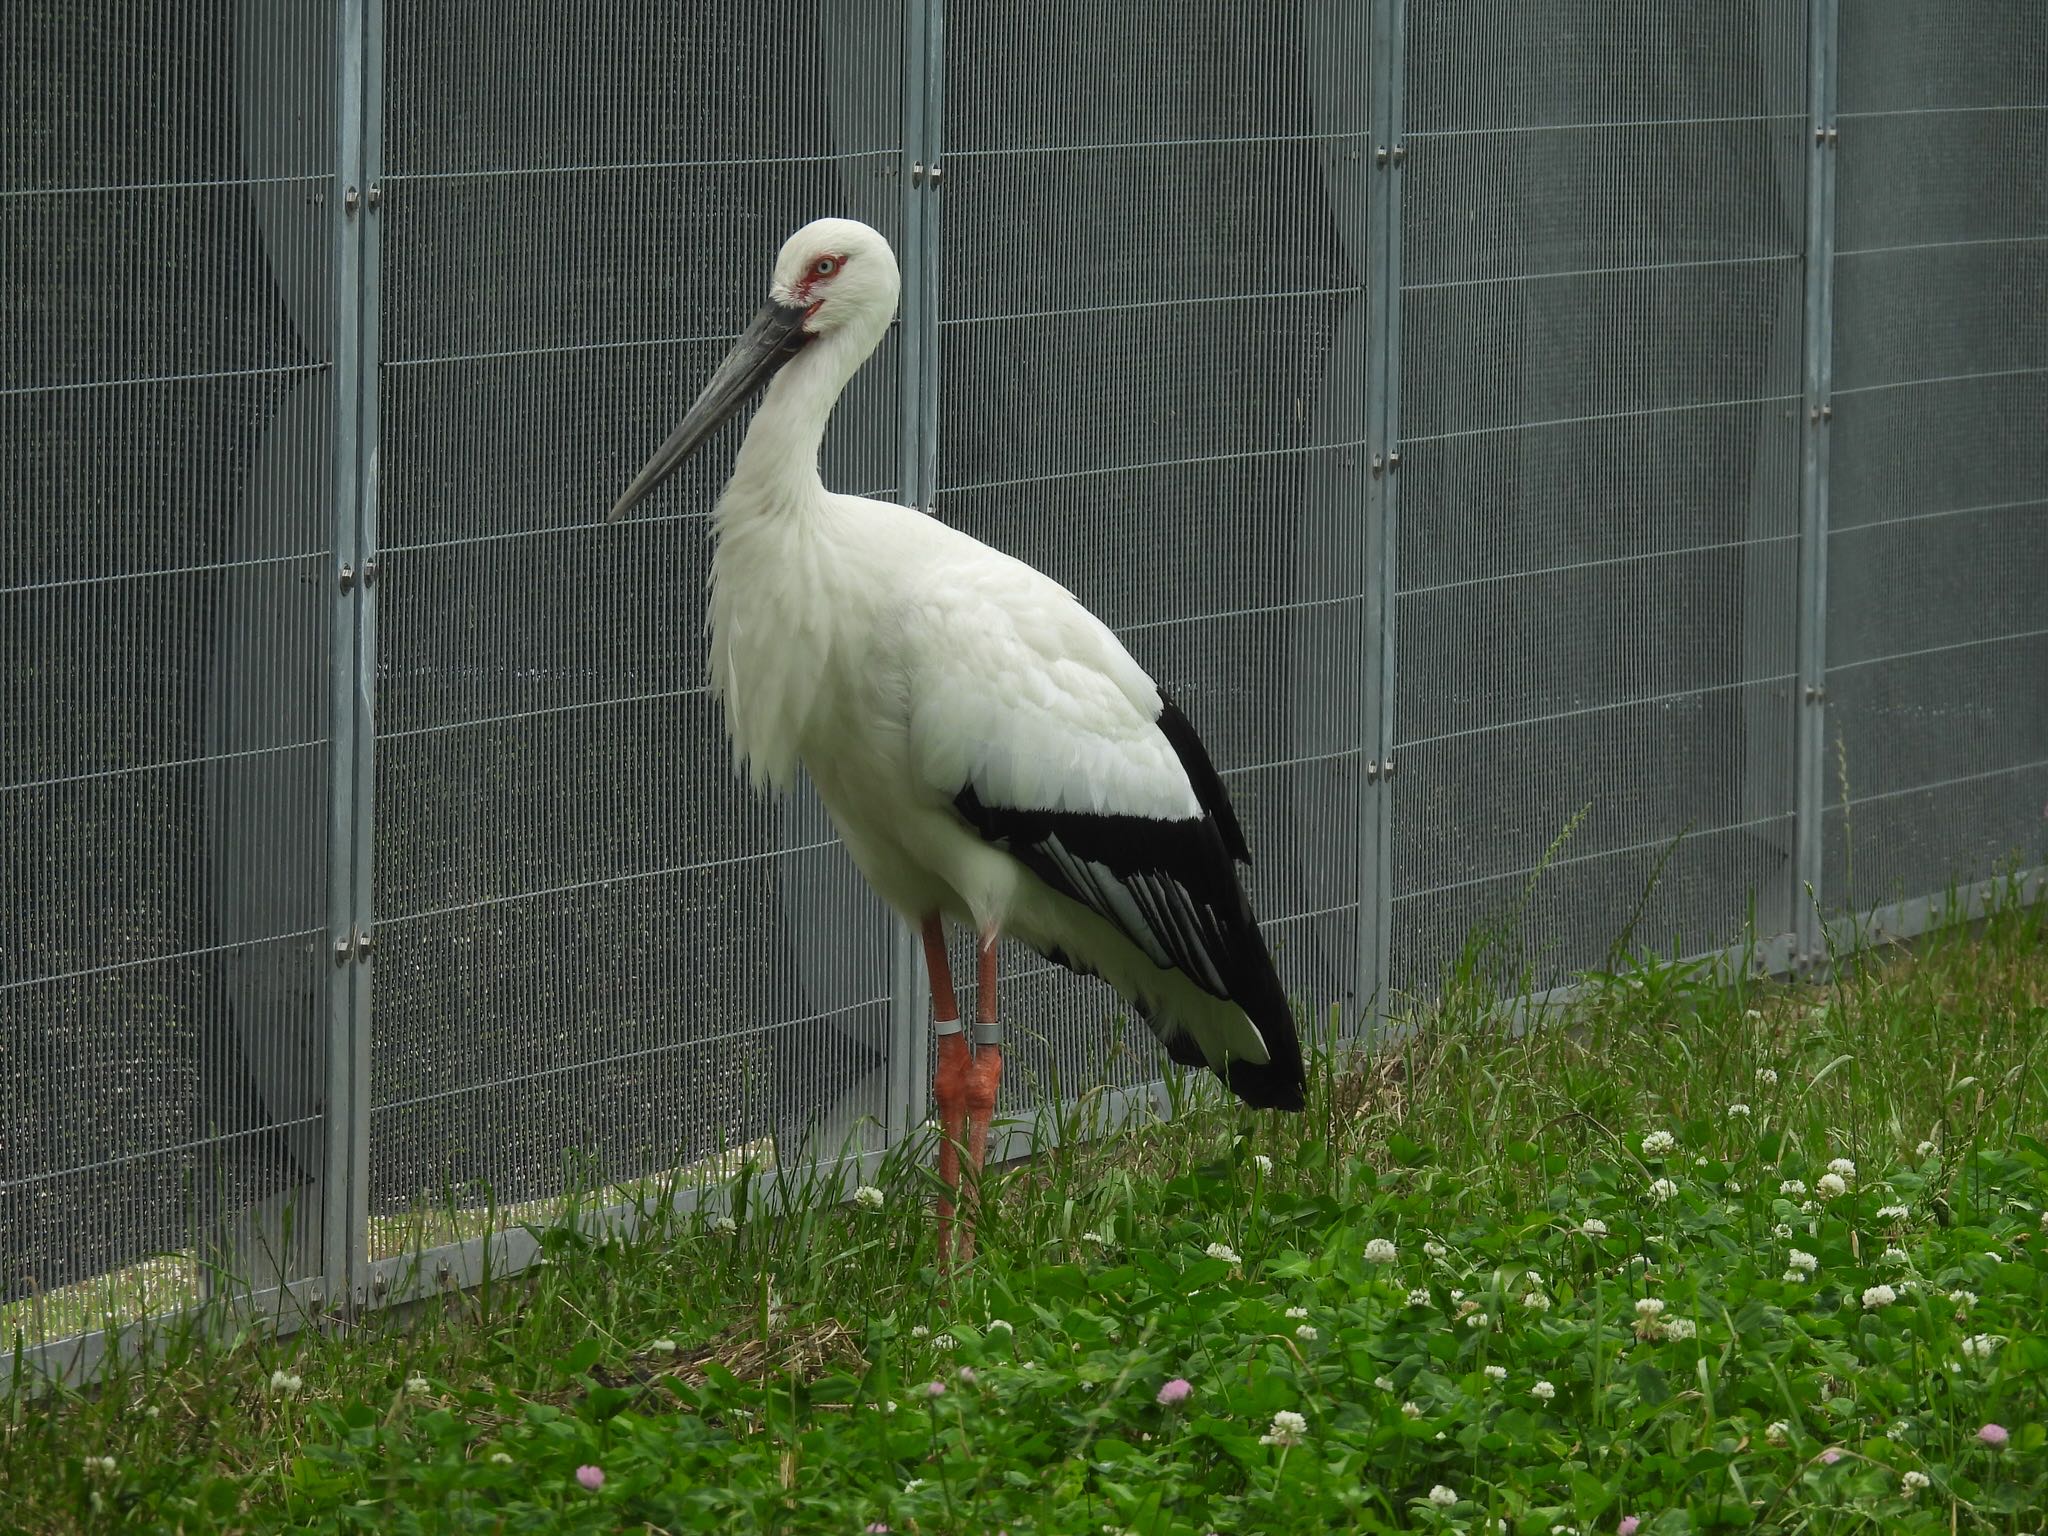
[(824, 266)]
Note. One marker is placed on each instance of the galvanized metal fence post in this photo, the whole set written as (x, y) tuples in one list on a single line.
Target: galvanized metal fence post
[(369, 353), (1810, 798), (340, 1239), (923, 62), (1382, 509)]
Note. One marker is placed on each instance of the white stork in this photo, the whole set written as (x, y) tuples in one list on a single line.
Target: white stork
[(988, 750)]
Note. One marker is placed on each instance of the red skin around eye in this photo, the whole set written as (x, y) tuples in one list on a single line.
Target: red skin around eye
[(813, 276)]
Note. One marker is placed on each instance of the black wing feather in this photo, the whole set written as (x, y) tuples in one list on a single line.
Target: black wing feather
[(1180, 879), (1187, 746)]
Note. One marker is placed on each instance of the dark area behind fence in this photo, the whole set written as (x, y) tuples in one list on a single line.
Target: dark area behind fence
[(1489, 420)]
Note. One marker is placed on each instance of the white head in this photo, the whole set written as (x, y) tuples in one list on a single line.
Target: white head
[(842, 275), (830, 301)]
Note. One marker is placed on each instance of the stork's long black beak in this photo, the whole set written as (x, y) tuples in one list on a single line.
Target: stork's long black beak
[(776, 335)]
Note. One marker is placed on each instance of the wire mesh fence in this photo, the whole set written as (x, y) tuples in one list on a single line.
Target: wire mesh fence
[(1581, 466)]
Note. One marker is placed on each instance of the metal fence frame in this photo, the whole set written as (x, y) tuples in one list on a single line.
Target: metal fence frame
[(348, 1276)]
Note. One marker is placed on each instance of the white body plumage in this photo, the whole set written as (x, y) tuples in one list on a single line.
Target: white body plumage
[(968, 724)]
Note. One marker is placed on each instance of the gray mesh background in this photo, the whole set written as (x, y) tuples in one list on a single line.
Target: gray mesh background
[(166, 592), (598, 955), (1599, 495), (1152, 361), (1937, 637), (592, 940)]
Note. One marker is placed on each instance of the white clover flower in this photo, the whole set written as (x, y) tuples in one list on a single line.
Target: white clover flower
[(1912, 1483), (1963, 1298), (1878, 1296), (945, 1341), (1767, 1076), (869, 1198), (1435, 1250), (913, 1485), (1792, 1187), (1411, 1408), (1981, 1346), (1306, 1333), (1734, 1188), (105, 1466), (1384, 1383), (1701, 1161), (1297, 1313), (662, 1347), (1419, 1297), (1804, 1261), (1738, 1111), (1679, 1328), (1842, 1168), (1593, 1226), (1650, 1307), (1380, 1251), (1094, 1237), (284, 1384), (1662, 1190), (1925, 1149), (1781, 1230), (1224, 1252), (1000, 1325), (1288, 1429), (1497, 1373), (920, 1332), (1893, 1213), (1442, 1497), (2044, 1221), (1262, 1162), (1536, 1301), (1753, 1015), (1793, 1277), (1829, 1186), (501, 1458), (1778, 1432), (1478, 1320), (1895, 1256), (1659, 1143), (418, 1386), (1543, 1391), (1456, 1294), (723, 1225)]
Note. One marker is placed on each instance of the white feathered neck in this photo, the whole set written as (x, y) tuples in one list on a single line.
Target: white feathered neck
[(784, 570)]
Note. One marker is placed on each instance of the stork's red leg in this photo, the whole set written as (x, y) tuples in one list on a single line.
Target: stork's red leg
[(949, 1083), (984, 1077)]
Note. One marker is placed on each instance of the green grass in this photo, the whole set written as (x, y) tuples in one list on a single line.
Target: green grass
[(779, 1378)]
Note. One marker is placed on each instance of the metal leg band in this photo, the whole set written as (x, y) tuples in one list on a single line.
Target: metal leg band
[(988, 1034), (943, 1027)]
